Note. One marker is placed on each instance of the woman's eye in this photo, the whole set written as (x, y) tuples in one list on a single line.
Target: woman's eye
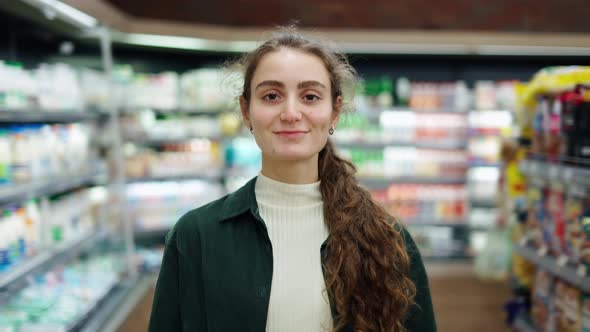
[(271, 96), (311, 97)]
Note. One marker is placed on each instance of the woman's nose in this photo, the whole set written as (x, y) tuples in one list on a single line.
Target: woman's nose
[(290, 111)]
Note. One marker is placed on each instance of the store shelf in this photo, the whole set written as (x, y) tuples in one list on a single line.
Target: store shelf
[(20, 192), (13, 116), (177, 177), (523, 324), (431, 110), (419, 145), (18, 276), (176, 112), (549, 263), (556, 172), (114, 308), (173, 140), (385, 182), (475, 164), (479, 203)]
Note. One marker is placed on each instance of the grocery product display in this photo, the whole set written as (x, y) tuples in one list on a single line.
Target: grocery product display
[(61, 299), (554, 211)]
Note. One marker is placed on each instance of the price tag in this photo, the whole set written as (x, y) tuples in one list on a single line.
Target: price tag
[(562, 261), (581, 271), (542, 252)]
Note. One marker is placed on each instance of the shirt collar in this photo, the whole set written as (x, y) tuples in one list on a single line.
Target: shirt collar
[(240, 201)]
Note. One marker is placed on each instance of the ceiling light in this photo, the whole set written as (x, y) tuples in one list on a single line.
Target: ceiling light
[(66, 12)]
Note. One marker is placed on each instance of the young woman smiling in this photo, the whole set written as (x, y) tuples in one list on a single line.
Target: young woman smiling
[(301, 247)]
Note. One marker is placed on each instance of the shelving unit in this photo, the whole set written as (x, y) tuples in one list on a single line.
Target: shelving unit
[(419, 145), (95, 174), (559, 267), (38, 116), (115, 306), (381, 183), (567, 174), (215, 177), (18, 277)]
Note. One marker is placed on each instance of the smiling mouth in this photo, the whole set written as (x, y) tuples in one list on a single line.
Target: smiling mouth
[(291, 133)]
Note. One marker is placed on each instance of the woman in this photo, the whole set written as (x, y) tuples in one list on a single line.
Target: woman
[(301, 247)]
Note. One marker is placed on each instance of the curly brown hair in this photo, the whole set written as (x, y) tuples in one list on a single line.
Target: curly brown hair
[(367, 269)]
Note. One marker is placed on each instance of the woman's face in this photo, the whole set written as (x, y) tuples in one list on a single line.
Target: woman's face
[(290, 109)]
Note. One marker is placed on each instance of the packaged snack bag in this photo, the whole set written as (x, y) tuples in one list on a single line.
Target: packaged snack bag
[(542, 304)]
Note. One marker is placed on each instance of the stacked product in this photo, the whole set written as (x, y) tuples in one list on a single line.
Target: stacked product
[(158, 205), (36, 226), (60, 299), (197, 157), (51, 87), (555, 219), (32, 152), (424, 204)]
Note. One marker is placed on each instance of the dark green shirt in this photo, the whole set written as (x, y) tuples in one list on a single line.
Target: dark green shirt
[(217, 271)]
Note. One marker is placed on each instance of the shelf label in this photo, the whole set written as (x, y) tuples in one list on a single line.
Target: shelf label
[(581, 271), (562, 261)]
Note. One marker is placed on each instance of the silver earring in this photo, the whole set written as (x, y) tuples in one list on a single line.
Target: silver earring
[(331, 131)]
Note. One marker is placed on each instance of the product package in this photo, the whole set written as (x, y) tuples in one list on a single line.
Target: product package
[(573, 213), (555, 213), (543, 311), (571, 309)]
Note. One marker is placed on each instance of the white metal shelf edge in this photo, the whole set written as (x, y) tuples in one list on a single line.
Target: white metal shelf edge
[(60, 253), (549, 263), (14, 116), (556, 172), (19, 192)]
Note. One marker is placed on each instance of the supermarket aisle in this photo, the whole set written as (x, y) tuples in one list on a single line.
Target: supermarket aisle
[(461, 301)]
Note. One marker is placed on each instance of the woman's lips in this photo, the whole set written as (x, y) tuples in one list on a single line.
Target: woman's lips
[(291, 133)]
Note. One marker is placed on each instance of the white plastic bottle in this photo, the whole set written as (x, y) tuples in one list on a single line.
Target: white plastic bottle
[(32, 227)]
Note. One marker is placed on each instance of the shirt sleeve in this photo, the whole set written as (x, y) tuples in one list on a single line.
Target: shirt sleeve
[(165, 314), (421, 316)]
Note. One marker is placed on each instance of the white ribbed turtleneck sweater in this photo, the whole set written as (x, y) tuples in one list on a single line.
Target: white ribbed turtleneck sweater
[(294, 218)]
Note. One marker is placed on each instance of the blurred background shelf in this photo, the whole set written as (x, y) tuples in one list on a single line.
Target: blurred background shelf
[(549, 263), (374, 182), (11, 193), (110, 313), (23, 272), (31, 116)]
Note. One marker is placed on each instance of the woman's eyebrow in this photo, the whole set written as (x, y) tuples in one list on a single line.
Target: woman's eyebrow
[(270, 83), (310, 84)]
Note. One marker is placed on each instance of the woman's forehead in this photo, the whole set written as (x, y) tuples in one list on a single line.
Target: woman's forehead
[(291, 65)]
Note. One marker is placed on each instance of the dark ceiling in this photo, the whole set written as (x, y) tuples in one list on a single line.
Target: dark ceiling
[(495, 15)]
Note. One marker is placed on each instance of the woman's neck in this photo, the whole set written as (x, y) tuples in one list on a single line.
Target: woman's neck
[(293, 172)]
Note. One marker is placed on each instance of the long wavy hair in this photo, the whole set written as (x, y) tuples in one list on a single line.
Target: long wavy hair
[(367, 267)]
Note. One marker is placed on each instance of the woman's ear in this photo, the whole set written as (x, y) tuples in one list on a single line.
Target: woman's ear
[(244, 110), (337, 111)]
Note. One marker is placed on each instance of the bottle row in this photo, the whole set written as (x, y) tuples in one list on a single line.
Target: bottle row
[(30, 152), (38, 225)]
